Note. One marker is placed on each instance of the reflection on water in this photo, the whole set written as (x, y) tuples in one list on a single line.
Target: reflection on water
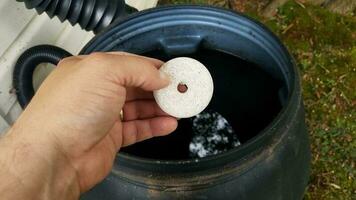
[(212, 134)]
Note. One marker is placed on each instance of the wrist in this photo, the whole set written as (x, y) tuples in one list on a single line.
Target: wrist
[(35, 168)]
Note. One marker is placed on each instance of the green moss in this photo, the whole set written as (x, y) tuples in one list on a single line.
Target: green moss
[(324, 46), (318, 25)]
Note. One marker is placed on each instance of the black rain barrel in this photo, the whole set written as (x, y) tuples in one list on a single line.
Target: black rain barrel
[(257, 91), (250, 143)]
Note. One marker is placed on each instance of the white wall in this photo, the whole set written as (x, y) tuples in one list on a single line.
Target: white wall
[(21, 29)]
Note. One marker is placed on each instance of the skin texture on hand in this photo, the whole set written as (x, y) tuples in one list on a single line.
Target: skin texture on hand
[(67, 138)]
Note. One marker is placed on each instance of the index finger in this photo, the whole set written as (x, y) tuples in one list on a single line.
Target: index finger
[(157, 63), (129, 71)]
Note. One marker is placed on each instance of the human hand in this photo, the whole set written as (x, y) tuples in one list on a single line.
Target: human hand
[(74, 118)]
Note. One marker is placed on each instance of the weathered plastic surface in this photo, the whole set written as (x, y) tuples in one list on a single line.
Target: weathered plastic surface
[(272, 165)]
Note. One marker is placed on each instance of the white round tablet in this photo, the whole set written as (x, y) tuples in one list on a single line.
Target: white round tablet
[(190, 90)]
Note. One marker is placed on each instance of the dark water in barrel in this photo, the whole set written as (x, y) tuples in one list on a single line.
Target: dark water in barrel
[(245, 101)]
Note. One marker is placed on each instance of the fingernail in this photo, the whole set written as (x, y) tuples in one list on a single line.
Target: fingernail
[(164, 75)]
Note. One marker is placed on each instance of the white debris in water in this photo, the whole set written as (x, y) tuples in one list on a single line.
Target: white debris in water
[(212, 134), (221, 123), (199, 149)]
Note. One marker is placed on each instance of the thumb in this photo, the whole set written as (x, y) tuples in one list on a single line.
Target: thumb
[(131, 70)]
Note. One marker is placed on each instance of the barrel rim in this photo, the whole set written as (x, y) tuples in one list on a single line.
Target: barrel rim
[(265, 136)]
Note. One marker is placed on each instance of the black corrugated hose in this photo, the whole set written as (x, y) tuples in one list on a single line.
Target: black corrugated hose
[(26, 64), (91, 15)]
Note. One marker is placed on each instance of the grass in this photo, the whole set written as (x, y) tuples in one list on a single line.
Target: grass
[(324, 46)]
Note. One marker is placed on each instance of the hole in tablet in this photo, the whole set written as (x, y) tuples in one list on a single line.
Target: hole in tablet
[(182, 88)]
